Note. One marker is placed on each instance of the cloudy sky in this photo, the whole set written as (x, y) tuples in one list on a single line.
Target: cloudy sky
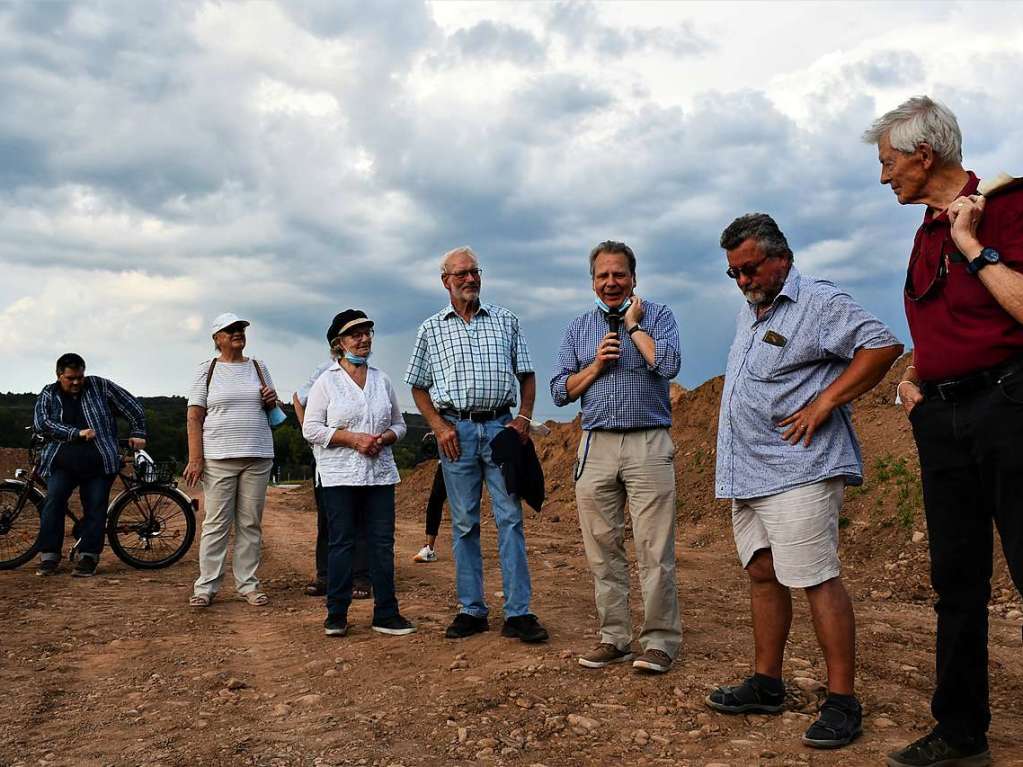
[(163, 162)]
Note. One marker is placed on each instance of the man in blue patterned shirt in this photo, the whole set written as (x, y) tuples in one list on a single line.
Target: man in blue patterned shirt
[(468, 359), (803, 350), (76, 415), (619, 358)]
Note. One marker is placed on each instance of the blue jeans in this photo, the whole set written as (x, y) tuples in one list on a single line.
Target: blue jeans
[(94, 493), (353, 510), (361, 575), (464, 481)]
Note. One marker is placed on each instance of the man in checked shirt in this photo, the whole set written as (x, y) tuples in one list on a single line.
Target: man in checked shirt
[(803, 350), (464, 369), (620, 358)]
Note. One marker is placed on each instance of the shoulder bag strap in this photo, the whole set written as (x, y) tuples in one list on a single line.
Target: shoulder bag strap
[(259, 372), (209, 374)]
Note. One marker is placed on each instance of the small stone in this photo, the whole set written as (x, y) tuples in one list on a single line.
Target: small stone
[(583, 722), (235, 684), (463, 734), (201, 724), (312, 699), (485, 753), (807, 685), (458, 665), (883, 722), (565, 654), (487, 743), (918, 536), (640, 737), (331, 672), (1014, 615), (523, 703), (509, 751)]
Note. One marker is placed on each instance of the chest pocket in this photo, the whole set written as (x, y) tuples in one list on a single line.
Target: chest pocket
[(764, 360), (496, 352)]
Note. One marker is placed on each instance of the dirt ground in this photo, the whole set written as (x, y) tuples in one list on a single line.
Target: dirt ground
[(117, 670)]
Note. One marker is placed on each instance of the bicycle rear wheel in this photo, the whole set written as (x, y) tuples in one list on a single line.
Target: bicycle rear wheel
[(151, 527), (19, 525)]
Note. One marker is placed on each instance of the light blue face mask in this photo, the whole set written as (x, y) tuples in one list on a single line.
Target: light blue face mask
[(608, 310), (355, 359)]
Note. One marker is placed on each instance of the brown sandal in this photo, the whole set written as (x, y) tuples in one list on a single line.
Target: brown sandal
[(256, 598)]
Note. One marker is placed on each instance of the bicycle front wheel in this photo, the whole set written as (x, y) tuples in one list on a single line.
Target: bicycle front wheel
[(20, 513), (150, 527)]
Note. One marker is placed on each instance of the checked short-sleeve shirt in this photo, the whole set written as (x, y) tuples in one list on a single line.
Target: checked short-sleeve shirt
[(469, 365)]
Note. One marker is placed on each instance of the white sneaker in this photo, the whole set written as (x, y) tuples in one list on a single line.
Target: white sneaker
[(426, 554)]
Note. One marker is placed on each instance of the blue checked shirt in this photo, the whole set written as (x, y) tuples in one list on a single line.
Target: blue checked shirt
[(821, 327), (101, 399), (303, 391), (469, 366), (630, 394)]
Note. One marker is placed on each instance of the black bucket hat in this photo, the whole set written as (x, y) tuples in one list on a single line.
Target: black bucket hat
[(345, 321)]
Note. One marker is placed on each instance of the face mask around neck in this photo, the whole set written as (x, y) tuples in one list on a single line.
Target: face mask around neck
[(355, 359), (608, 310)]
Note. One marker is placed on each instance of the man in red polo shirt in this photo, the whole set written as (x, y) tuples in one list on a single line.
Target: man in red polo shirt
[(964, 397)]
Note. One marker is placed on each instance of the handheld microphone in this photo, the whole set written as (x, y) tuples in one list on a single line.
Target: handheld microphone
[(614, 322)]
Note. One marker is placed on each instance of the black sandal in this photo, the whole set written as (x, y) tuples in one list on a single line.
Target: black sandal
[(838, 724), (750, 697)]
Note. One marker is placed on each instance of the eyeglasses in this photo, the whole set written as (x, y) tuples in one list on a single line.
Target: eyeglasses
[(232, 329), (356, 334), (463, 273), (748, 270)]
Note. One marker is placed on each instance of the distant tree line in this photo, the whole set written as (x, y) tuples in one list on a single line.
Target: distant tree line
[(168, 440)]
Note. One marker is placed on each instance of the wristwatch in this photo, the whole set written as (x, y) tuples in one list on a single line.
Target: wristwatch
[(987, 256), (634, 328)]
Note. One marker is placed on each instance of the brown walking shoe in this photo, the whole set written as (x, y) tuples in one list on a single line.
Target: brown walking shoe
[(605, 654), (653, 660)]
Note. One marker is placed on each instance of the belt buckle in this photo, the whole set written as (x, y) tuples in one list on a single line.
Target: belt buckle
[(948, 386)]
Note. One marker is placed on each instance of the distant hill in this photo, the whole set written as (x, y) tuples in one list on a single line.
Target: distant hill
[(168, 441)]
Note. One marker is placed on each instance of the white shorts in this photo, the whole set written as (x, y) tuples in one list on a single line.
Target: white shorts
[(799, 526)]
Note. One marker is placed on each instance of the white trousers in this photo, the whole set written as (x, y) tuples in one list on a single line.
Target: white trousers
[(234, 492)]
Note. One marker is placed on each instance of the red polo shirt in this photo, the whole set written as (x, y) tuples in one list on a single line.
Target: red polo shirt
[(957, 326)]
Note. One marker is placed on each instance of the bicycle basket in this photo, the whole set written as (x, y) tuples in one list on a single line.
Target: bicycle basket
[(154, 473)]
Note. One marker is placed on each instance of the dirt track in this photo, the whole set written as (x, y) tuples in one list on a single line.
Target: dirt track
[(117, 670)]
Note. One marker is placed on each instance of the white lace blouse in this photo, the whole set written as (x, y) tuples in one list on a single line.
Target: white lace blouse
[(336, 402)]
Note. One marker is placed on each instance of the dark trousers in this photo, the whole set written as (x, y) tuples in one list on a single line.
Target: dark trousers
[(369, 509), (972, 468), (435, 503), (361, 569), (94, 492)]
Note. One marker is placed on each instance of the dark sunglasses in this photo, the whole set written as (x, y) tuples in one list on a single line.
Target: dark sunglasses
[(238, 328), (748, 270), (949, 253)]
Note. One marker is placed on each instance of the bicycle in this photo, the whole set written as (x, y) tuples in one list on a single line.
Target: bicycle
[(150, 524)]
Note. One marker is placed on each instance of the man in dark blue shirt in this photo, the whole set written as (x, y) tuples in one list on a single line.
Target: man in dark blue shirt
[(76, 414), (619, 358)]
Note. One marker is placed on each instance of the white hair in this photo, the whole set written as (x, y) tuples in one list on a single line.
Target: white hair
[(459, 251), (920, 120)]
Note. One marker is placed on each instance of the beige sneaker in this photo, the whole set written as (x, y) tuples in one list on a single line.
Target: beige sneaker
[(656, 661), (604, 654)]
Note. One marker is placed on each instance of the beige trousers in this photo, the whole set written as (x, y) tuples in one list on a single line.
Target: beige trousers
[(637, 466), (234, 491)]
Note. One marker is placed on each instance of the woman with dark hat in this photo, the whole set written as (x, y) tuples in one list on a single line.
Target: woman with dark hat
[(353, 415)]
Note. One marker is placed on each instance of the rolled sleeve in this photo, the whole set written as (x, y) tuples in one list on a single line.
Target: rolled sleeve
[(846, 326), (314, 427), (667, 355), (419, 374), (522, 362), (567, 365)]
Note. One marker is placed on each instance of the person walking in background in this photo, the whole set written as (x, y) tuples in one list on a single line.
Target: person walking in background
[(963, 396), (76, 414), (230, 451), (619, 358), (353, 417), (803, 350), (463, 372), (434, 511), (361, 588)]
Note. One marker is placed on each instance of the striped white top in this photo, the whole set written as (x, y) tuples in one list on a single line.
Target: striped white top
[(236, 425)]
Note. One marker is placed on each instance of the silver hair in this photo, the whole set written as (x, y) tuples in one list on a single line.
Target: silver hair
[(920, 120), (336, 349), (460, 250)]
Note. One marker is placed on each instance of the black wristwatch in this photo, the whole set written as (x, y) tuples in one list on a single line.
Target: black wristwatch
[(987, 256), (634, 328)]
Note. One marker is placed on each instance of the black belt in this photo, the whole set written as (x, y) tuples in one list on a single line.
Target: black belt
[(476, 416), (957, 388)]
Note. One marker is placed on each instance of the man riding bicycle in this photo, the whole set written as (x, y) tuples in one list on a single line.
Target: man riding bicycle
[(76, 413)]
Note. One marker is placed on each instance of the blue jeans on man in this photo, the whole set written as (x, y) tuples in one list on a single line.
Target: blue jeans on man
[(464, 481), (94, 492)]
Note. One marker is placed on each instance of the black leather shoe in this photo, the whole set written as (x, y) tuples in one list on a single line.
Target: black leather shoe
[(932, 750), (525, 628), (465, 625)]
